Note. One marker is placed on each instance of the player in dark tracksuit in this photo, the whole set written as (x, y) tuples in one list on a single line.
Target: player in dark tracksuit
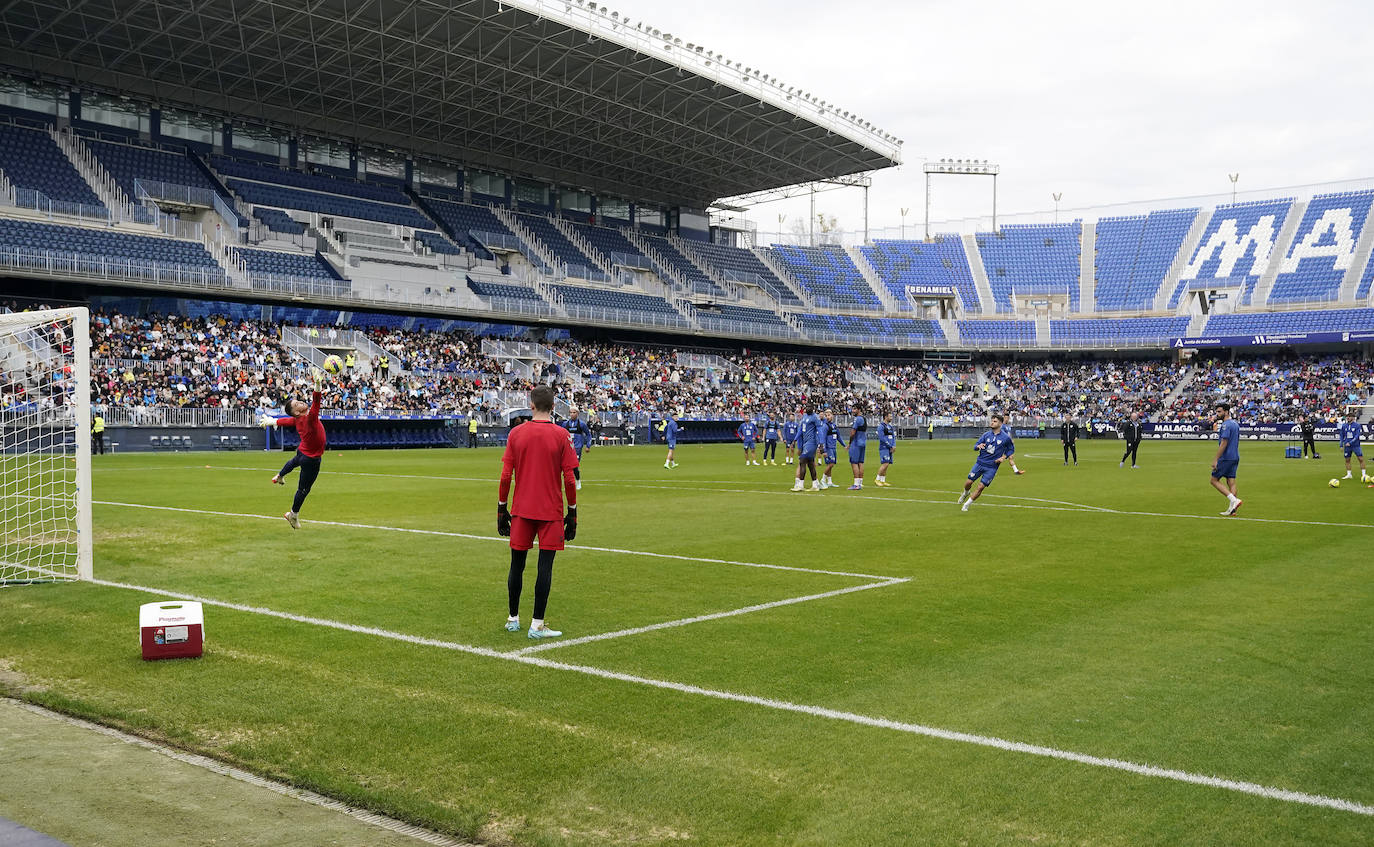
[(1068, 434), (1309, 437), (1132, 431)]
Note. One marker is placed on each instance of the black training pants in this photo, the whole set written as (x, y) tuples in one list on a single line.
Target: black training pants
[(1131, 448), (1068, 447), (310, 469)]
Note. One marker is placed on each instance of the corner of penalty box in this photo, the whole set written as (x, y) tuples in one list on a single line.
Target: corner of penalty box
[(171, 629)]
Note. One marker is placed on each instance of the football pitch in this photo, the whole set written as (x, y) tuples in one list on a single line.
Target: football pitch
[(1090, 655)]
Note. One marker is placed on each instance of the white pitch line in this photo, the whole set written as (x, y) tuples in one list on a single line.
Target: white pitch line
[(1240, 786), (447, 534), (982, 504), (639, 630)]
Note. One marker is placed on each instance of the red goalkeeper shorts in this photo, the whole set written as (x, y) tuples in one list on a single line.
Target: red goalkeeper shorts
[(524, 530)]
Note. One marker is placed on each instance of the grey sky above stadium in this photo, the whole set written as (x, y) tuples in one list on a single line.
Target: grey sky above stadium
[(1103, 102)]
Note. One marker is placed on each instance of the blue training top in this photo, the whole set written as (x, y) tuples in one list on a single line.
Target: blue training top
[(1230, 433), (1351, 433), (860, 438), (993, 446)]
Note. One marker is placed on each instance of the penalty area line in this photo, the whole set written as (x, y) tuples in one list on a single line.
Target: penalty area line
[(1005, 745)]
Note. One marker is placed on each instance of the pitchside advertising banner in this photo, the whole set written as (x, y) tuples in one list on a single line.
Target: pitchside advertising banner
[(1271, 340), (1192, 431)]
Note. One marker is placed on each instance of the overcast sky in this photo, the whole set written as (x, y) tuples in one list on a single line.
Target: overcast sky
[(1105, 102)]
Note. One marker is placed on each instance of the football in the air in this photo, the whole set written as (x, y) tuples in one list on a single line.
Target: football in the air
[(1334, 483), (333, 364)]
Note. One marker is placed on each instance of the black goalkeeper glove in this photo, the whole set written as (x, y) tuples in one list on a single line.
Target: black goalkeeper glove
[(502, 520), (570, 524)]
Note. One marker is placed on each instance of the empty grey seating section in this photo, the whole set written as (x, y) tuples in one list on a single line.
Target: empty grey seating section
[(128, 162), (741, 261), (32, 160), (610, 242), (327, 204)]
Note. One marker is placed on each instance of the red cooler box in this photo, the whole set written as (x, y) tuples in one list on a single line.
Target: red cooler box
[(171, 629)]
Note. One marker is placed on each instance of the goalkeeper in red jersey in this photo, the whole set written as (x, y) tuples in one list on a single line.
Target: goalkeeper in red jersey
[(539, 455), (306, 421)]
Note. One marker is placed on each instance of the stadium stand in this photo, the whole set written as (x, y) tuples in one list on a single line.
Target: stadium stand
[(1323, 248), (610, 242), (1001, 333), (736, 262), (327, 204), (437, 243), (1103, 389), (912, 331), (1365, 282), (256, 172), (623, 301), (1098, 331), (1290, 323), (580, 265), (829, 276), (278, 221), (1032, 259), (697, 282), (1134, 255), (32, 161), (464, 219), (285, 264), (938, 262), (105, 244), (128, 162), (742, 319), (488, 290), (1235, 247), (1273, 390)]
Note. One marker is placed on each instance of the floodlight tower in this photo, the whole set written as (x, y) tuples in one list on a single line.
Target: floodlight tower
[(961, 167)]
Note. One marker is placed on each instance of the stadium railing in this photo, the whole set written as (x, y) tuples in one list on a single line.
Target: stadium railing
[(172, 193), (628, 260), (32, 198), (626, 317), (59, 263)]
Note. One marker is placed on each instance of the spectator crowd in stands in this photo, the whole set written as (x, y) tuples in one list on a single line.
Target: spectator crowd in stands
[(143, 363)]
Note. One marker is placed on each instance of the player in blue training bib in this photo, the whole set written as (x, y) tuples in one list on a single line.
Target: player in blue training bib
[(1351, 433), (994, 448), (858, 446), (746, 433), (1227, 459), (807, 432), (887, 442), (791, 431)]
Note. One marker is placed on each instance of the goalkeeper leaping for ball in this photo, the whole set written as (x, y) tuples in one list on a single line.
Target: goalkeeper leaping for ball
[(306, 421), (538, 453)]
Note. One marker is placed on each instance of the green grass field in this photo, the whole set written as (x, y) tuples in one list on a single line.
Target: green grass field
[(1086, 612)]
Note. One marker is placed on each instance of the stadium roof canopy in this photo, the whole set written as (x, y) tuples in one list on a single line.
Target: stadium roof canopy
[(566, 92)]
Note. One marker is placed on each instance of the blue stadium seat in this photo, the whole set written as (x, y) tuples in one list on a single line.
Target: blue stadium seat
[(1066, 333), (105, 244), (1323, 248), (940, 261), (1226, 256), (32, 160), (1002, 333), (828, 275), (1032, 259), (128, 162), (285, 264), (1134, 255), (1288, 323)]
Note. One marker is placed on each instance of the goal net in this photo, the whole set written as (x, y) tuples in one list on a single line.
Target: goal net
[(45, 448)]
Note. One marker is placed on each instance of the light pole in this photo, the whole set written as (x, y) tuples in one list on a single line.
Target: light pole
[(781, 219), (904, 211), (1056, 195), (961, 167), (1235, 178)]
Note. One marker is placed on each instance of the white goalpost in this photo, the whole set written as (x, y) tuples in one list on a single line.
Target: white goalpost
[(45, 446)]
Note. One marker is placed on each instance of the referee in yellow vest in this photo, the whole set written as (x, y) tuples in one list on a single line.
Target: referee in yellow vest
[(472, 430), (97, 434)]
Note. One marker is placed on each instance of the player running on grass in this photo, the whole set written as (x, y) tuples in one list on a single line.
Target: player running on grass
[(1351, 433), (887, 442), (305, 419), (995, 447), (538, 456), (1227, 459)]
